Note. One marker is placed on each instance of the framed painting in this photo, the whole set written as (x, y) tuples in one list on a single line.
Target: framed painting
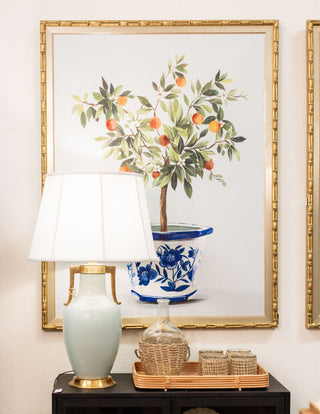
[(313, 175), (191, 105)]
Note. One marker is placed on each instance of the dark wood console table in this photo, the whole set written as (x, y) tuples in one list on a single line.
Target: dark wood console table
[(124, 398)]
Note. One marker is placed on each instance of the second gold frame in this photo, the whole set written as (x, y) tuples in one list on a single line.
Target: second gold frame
[(313, 175)]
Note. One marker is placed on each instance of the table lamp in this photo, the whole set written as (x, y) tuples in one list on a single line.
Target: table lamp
[(92, 219)]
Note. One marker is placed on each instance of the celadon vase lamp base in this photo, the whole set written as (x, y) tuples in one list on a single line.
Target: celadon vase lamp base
[(92, 327)]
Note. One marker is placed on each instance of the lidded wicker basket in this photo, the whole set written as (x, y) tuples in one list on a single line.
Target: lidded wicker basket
[(163, 349)]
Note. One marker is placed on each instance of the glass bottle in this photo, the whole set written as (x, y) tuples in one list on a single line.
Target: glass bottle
[(163, 349), (163, 331)]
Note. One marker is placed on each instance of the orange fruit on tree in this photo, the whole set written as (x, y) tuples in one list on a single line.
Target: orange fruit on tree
[(197, 118), (181, 82), (125, 168), (208, 165), (111, 124), (164, 140), (122, 100), (155, 174), (155, 122), (214, 126)]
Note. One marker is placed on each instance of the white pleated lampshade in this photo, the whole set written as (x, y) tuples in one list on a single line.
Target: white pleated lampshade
[(100, 217)]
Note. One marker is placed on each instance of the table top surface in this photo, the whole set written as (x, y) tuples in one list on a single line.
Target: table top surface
[(125, 388)]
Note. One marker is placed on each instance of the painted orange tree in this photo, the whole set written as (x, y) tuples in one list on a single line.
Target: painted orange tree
[(171, 139)]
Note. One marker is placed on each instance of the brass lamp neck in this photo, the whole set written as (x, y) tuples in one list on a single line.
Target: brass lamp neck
[(93, 268)]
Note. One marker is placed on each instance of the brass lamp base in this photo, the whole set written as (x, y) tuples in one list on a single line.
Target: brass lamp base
[(92, 383)]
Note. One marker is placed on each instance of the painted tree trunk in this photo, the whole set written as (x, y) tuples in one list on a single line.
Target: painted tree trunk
[(163, 209)]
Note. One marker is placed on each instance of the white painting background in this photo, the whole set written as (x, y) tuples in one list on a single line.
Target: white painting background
[(231, 280)]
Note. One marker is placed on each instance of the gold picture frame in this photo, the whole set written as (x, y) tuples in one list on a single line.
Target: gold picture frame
[(268, 33), (313, 175)]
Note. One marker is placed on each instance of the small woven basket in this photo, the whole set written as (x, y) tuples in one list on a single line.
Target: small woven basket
[(243, 364), (163, 359), (205, 353), (214, 365)]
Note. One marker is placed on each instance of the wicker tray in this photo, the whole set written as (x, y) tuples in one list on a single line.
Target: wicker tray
[(190, 378)]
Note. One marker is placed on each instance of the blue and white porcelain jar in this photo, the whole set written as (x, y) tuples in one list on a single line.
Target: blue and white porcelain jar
[(180, 252)]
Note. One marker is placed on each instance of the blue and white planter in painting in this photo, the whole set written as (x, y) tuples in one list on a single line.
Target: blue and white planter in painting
[(180, 252)]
